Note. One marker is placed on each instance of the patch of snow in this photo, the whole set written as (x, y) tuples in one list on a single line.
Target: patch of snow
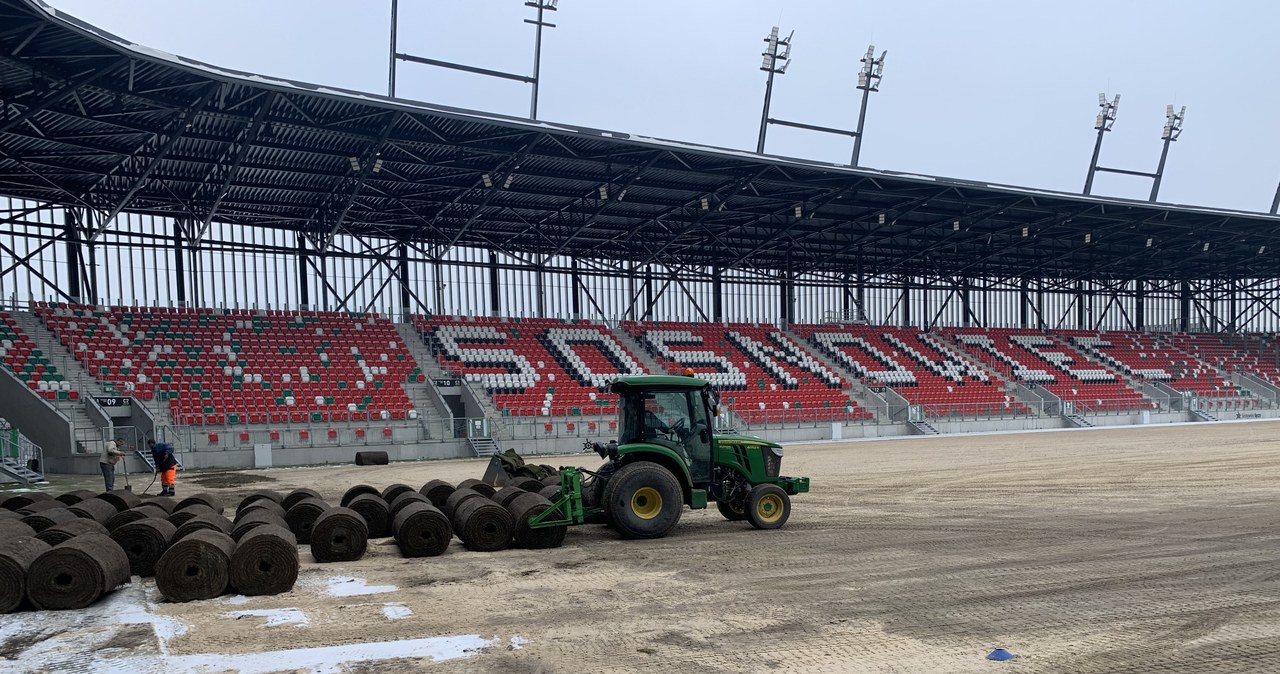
[(345, 586), (274, 616), (237, 600), (517, 642), (396, 611)]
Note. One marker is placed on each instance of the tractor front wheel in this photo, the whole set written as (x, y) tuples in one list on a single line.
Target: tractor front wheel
[(768, 506), (643, 500), (734, 511)]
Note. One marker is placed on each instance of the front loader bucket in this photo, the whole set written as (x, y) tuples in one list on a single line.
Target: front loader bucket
[(496, 473)]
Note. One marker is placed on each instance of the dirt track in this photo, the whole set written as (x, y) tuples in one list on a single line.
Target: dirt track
[(1116, 550)]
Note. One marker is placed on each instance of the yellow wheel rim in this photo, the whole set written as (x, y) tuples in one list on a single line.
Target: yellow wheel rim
[(769, 508), (646, 503)]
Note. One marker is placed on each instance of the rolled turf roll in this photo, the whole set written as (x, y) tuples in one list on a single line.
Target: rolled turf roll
[(378, 458), (73, 497), (436, 491), (404, 499), (421, 530), (457, 497), (204, 522), (339, 535), (291, 499), (483, 526), (526, 483), (254, 518), (302, 516), (9, 514), (203, 497), (258, 494), (392, 491), (40, 506), (16, 556), (74, 574), (120, 498), (48, 518), (94, 509), (26, 498), (143, 542), (376, 514), (478, 485), (503, 496), (14, 528), (195, 567), (153, 509), (525, 507), (167, 503), (65, 532), (131, 515), (552, 480), (180, 517), (550, 492), (358, 490), (261, 504), (265, 561)]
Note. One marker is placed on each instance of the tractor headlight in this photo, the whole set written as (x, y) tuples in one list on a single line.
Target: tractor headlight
[(777, 451)]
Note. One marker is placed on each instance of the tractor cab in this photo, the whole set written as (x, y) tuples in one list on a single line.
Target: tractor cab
[(674, 413)]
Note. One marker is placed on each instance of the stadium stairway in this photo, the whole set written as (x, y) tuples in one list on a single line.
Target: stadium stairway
[(423, 394), (71, 369), (423, 352), (854, 387), (633, 345)]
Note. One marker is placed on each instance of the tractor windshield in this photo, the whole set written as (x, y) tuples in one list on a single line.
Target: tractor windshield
[(674, 419)]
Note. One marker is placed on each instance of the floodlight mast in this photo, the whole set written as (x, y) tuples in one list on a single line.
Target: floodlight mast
[(868, 81), (1106, 118), (777, 56), (541, 5), (1172, 129), (772, 58)]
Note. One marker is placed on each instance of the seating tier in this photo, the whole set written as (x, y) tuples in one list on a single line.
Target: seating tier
[(216, 367), (916, 365), (761, 373)]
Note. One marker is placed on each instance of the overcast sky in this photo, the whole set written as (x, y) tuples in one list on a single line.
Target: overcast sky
[(1002, 91)]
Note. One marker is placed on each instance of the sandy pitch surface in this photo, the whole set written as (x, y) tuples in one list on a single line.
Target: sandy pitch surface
[(1134, 549)]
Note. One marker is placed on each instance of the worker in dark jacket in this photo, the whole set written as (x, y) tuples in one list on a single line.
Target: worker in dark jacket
[(166, 466)]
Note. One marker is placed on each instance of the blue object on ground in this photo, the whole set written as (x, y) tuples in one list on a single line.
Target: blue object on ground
[(1000, 654)]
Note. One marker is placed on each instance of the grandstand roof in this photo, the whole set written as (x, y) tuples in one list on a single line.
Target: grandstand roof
[(95, 121)]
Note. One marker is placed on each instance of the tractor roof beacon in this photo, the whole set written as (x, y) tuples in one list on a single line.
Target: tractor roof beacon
[(667, 455)]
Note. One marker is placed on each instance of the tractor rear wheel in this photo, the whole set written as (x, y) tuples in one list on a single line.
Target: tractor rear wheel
[(732, 511), (768, 506), (643, 500)]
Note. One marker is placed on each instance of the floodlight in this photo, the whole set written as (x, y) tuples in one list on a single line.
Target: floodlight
[(706, 204), (488, 182), (1206, 246), (1168, 110), (506, 184), (604, 192), (1102, 100), (799, 211), (355, 163), (955, 226), (1262, 249), (1148, 242), (1025, 232), (622, 194), (377, 165), (1088, 238), (882, 218)]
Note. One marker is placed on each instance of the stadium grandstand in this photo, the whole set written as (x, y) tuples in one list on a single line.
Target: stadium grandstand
[(231, 262)]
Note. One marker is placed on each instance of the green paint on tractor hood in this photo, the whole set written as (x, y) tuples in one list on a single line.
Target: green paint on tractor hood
[(733, 437)]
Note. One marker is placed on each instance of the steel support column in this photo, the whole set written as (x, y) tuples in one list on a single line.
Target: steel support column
[(179, 264), (717, 295), (1140, 305), (1184, 306), (73, 253), (1232, 299), (541, 276), (966, 306), (91, 277), (1040, 306), (402, 271), (906, 302), (304, 291), (495, 297), (1082, 319), (575, 280), (438, 283), (1024, 303)]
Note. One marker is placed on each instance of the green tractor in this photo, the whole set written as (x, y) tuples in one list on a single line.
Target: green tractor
[(667, 456)]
